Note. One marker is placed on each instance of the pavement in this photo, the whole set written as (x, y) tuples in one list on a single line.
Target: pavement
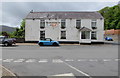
[(5, 72), (65, 60), (37, 44), (112, 42)]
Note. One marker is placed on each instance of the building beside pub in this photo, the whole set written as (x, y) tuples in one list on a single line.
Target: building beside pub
[(82, 27)]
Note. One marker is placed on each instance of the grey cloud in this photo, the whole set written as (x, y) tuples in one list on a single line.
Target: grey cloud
[(14, 12)]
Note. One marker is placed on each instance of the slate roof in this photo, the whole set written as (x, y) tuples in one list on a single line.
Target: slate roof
[(64, 15)]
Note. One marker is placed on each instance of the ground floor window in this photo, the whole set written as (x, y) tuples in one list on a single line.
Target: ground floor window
[(63, 34), (42, 35), (85, 35), (93, 35)]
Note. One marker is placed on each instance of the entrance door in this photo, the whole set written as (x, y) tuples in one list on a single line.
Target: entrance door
[(85, 37)]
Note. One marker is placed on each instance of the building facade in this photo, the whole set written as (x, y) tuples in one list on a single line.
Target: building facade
[(82, 27)]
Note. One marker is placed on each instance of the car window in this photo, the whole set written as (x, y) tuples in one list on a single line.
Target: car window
[(47, 39), (1, 38)]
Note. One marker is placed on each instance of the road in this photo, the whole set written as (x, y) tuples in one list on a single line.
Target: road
[(65, 60)]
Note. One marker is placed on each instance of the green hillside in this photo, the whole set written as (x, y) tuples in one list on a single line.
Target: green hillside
[(112, 17)]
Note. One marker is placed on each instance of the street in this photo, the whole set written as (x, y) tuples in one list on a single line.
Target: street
[(65, 60)]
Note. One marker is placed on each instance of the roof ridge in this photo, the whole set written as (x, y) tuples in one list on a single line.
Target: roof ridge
[(65, 12)]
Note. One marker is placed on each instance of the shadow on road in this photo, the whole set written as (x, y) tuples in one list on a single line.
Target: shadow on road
[(9, 46), (49, 46)]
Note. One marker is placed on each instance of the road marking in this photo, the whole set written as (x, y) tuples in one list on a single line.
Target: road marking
[(19, 60), (7, 60), (9, 71), (93, 60), (77, 70), (49, 47), (69, 60), (65, 74), (117, 59), (30, 60), (106, 60), (43, 61), (57, 61), (8, 47), (82, 60)]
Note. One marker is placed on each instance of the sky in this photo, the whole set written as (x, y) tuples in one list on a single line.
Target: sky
[(13, 12)]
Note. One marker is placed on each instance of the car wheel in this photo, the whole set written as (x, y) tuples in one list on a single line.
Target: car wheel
[(40, 44), (6, 44), (111, 40), (55, 44)]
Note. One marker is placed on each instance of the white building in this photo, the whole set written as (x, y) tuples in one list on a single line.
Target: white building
[(82, 27)]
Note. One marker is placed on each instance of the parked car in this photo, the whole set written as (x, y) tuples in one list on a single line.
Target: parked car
[(109, 38), (7, 41), (48, 41)]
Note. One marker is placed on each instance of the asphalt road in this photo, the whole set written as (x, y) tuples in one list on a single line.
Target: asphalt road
[(69, 60)]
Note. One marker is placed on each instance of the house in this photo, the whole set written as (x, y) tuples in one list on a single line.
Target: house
[(82, 27)]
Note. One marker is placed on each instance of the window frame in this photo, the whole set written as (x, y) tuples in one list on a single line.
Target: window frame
[(43, 35), (63, 35), (84, 36), (94, 23), (63, 23), (78, 23), (42, 23), (94, 34)]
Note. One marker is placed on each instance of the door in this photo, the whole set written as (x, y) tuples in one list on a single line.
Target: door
[(85, 37), (47, 41)]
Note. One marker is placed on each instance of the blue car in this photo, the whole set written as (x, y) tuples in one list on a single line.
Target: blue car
[(108, 39), (48, 41)]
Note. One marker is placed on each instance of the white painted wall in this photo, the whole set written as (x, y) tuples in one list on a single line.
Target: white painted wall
[(100, 31), (52, 32), (32, 30)]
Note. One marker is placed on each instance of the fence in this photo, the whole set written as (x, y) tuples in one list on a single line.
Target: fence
[(20, 40), (112, 32)]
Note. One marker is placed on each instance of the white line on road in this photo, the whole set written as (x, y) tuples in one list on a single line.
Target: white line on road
[(30, 60), (7, 60), (49, 47), (43, 61), (0, 59), (57, 61), (19, 60), (93, 60), (9, 71), (69, 60), (77, 70), (117, 59), (106, 60), (65, 74), (82, 60)]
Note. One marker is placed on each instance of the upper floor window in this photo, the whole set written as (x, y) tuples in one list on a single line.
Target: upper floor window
[(63, 23), (42, 23), (94, 24), (63, 34), (93, 35), (78, 24)]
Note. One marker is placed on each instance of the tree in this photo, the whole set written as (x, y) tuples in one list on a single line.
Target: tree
[(112, 17), (5, 34), (20, 32)]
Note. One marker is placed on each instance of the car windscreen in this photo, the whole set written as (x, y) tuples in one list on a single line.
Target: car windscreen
[(47, 39), (1, 38)]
